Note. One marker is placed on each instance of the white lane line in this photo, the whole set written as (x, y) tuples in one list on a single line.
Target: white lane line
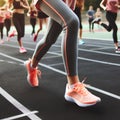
[(101, 48), (98, 61), (57, 64), (91, 60), (18, 105), (51, 68), (19, 116), (61, 72), (98, 39), (13, 58), (1, 60), (104, 92), (92, 51), (98, 45), (50, 57), (104, 53), (11, 62)]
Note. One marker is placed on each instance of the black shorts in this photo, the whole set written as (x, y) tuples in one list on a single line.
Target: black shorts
[(41, 14)]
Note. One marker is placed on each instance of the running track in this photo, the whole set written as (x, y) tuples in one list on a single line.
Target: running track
[(97, 61)]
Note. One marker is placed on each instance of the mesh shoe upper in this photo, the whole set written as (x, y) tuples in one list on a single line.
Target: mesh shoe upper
[(80, 95), (33, 74)]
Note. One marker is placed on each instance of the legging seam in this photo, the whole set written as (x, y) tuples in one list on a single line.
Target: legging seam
[(66, 59)]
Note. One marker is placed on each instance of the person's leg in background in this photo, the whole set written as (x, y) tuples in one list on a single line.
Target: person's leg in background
[(1, 32), (8, 26), (19, 23)]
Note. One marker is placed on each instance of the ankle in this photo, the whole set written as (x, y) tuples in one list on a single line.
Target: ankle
[(32, 65), (72, 80)]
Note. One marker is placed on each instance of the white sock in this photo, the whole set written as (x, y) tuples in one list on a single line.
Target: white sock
[(71, 86)]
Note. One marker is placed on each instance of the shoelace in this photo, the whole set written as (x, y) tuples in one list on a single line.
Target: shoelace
[(39, 73), (36, 71), (80, 88)]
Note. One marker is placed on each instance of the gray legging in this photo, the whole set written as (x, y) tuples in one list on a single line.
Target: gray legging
[(61, 18)]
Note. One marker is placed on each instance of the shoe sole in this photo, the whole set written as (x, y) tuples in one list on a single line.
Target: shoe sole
[(23, 52), (70, 99), (81, 43), (117, 51)]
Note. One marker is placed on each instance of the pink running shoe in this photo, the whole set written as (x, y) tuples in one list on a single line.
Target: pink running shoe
[(22, 50), (35, 37), (80, 95), (117, 50), (32, 74)]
